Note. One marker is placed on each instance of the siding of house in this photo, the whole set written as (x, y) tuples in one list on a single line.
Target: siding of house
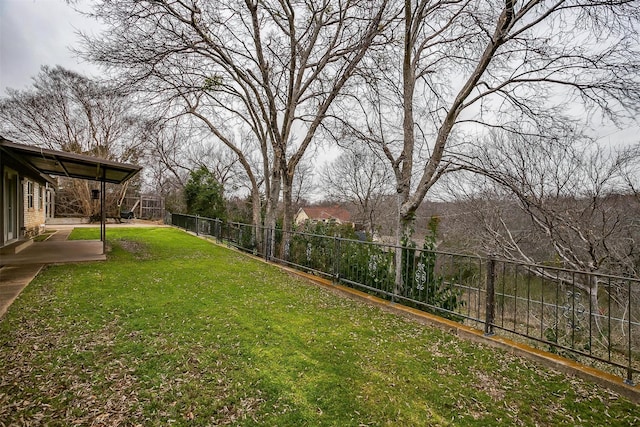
[(301, 216), (323, 214)]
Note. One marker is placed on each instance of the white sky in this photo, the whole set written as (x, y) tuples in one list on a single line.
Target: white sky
[(41, 32), (35, 33)]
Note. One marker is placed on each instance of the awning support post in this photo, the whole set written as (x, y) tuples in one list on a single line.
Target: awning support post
[(103, 213)]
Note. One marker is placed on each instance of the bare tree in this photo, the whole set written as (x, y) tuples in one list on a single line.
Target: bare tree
[(303, 183), (180, 146), (578, 199), (67, 111), (167, 149), (361, 177), (455, 68), (272, 68), (631, 170), (560, 203)]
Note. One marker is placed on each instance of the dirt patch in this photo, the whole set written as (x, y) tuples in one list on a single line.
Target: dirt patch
[(139, 250)]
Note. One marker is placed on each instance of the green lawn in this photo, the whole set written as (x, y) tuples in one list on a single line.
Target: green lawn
[(173, 330)]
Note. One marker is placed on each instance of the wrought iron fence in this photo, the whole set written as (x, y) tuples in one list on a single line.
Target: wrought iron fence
[(581, 315)]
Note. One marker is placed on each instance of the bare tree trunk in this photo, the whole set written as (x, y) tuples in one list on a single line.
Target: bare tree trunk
[(404, 230), (287, 214), (256, 217), (271, 216), (398, 256)]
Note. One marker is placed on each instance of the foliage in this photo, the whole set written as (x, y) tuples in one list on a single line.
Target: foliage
[(314, 244), (174, 330), (421, 280), (368, 264), (204, 194), (67, 111), (334, 250), (330, 228), (212, 83), (242, 235)]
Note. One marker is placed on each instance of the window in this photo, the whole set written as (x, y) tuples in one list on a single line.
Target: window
[(40, 197), (30, 194)]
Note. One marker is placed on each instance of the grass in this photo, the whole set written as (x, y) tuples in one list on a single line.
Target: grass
[(175, 330), (44, 236)]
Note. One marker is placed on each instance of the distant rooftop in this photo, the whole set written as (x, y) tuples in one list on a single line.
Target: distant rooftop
[(326, 213)]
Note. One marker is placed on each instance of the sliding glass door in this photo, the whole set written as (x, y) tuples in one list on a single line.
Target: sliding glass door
[(10, 206)]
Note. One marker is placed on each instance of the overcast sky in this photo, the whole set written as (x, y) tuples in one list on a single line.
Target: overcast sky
[(35, 33), (41, 32)]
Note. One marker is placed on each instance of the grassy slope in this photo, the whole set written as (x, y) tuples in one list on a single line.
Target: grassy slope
[(174, 329)]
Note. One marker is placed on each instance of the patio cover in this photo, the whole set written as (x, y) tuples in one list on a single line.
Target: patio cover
[(59, 163), (51, 162)]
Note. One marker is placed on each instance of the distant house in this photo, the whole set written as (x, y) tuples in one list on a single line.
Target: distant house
[(323, 214)]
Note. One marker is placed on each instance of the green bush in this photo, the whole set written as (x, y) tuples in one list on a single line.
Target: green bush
[(315, 245), (421, 280), (368, 264), (324, 244), (204, 194)]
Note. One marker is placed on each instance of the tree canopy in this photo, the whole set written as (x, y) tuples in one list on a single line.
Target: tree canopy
[(204, 194)]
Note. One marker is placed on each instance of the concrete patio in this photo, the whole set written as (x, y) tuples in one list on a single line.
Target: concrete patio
[(55, 250)]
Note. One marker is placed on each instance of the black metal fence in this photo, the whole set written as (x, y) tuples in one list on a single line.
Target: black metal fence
[(581, 315)]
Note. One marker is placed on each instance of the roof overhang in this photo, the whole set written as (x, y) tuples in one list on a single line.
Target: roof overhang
[(59, 163)]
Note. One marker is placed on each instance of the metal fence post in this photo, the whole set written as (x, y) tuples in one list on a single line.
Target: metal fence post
[(197, 227), (629, 379), (491, 300)]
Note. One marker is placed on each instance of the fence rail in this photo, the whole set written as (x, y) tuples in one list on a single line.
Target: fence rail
[(581, 315)]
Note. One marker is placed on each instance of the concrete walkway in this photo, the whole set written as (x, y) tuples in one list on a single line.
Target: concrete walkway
[(13, 279)]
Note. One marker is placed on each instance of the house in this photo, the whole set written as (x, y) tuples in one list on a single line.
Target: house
[(25, 194), (26, 186), (335, 214)]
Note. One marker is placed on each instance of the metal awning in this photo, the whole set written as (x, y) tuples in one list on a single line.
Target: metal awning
[(59, 163)]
